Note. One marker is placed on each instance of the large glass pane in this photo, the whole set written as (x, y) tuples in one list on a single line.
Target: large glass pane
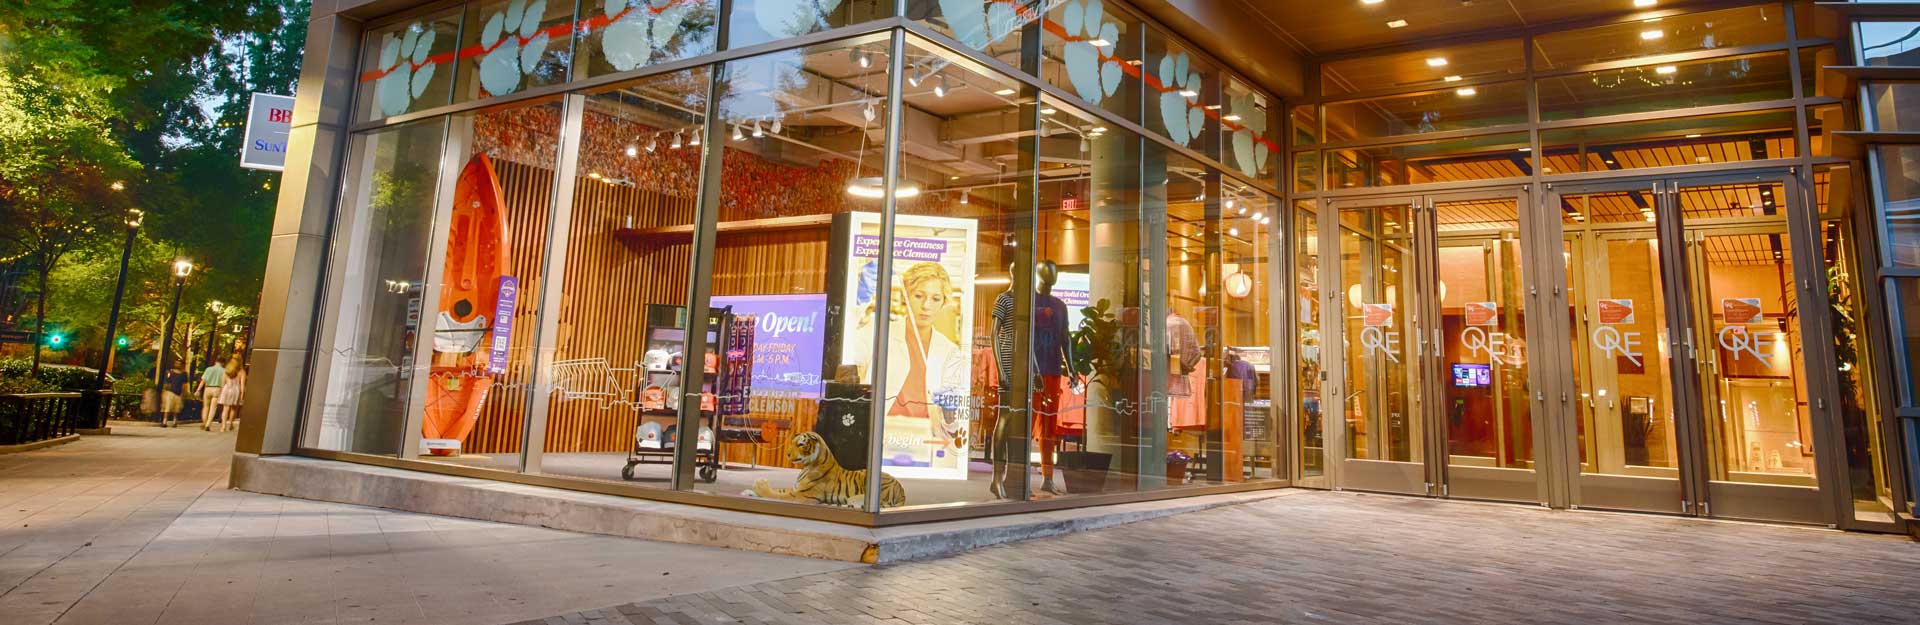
[(1251, 122), (365, 379), (1664, 86), (1186, 352), (799, 224), (1894, 106), (1091, 230), (1305, 121), (1183, 94), (1380, 319), (1474, 158), (1711, 30), (1906, 309), (761, 21), (408, 66), (1306, 172), (1308, 344), (1460, 108), (1860, 415), (986, 26), (1248, 446), (614, 396), (512, 45), (1886, 44), (1485, 394), (1899, 167), (1619, 346), (952, 324), (1424, 69), (1752, 380), (1094, 50), (1728, 138), (624, 35), (479, 387)]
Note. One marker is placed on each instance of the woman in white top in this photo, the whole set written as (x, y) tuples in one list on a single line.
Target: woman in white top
[(915, 346), (231, 392)]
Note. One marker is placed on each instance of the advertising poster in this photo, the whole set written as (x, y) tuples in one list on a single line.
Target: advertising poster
[(1483, 313), (1616, 311), (789, 340), (928, 389), (1377, 315), (1742, 310)]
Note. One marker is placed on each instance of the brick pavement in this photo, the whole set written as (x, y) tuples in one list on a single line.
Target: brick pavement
[(138, 527), (1348, 558)]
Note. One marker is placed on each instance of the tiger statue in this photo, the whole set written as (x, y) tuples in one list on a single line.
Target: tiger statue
[(823, 480)]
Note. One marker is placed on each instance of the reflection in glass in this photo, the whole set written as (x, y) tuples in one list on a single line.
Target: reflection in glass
[(1093, 49), (1663, 86), (379, 262), (1473, 158), (1462, 108), (1620, 342), (408, 66), (761, 21), (1421, 69), (1251, 124), (1381, 321), (613, 407), (1673, 34), (1485, 390), (625, 35), (1728, 138), (1309, 344), (1859, 400), (1182, 95), (511, 45), (1899, 167), (1889, 44)]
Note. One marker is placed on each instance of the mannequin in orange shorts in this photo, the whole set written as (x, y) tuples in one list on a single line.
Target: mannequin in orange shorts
[(1052, 368)]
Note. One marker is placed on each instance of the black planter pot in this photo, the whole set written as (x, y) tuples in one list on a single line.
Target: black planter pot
[(1086, 471)]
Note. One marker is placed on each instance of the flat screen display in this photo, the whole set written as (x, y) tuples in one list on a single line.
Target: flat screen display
[(1472, 376)]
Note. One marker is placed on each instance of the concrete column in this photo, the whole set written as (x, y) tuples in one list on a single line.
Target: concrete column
[(296, 257)]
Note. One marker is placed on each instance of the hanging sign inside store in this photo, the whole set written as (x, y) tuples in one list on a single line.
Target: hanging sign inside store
[(1741, 310), (1616, 311), (1376, 315), (269, 122), (788, 346), (503, 323), (1482, 313)]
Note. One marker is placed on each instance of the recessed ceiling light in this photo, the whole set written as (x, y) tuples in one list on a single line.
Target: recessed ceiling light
[(1099, 43), (1231, 118), (1651, 35), (1641, 4), (1526, 149), (1004, 92), (1097, 129), (1046, 110), (1437, 61), (1397, 24), (1466, 91), (1189, 93), (1452, 79), (1693, 136), (1372, 1), (1665, 69)]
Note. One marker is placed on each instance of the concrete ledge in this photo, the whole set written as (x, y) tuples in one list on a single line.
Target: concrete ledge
[(14, 449), (431, 493), (105, 431)]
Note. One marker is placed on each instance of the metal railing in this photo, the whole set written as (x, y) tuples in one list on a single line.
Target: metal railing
[(33, 417)]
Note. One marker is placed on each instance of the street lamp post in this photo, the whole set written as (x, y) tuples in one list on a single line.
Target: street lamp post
[(213, 332), (134, 218), (181, 268)]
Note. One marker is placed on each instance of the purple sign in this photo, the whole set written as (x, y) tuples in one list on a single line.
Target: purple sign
[(503, 323), (789, 341), (904, 248)]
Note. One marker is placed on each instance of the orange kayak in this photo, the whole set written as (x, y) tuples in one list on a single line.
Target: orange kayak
[(469, 292)]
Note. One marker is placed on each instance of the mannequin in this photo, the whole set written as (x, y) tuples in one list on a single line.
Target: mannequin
[(1052, 367)]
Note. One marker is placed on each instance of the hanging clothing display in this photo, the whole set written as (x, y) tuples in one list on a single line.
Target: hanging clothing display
[(1188, 408)]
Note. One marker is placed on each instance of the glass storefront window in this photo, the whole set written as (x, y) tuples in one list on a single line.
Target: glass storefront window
[(1094, 50), (1664, 86), (1306, 125), (1182, 95), (1461, 108), (799, 214), (1899, 167), (1889, 44), (408, 67), (1251, 123), (762, 21), (1711, 30), (1728, 138), (624, 35), (1813, 83), (1306, 172), (983, 25), (1905, 296), (949, 429), (1894, 106), (367, 376), (1249, 443), (1858, 401), (615, 389), (1424, 69), (512, 45), (1474, 158)]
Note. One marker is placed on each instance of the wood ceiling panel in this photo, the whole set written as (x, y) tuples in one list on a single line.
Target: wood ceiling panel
[(1341, 25)]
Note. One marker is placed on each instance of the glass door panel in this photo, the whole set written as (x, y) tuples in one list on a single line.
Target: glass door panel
[(1484, 390), (1627, 438), (1384, 436)]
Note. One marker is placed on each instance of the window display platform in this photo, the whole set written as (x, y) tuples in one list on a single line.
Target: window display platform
[(489, 500)]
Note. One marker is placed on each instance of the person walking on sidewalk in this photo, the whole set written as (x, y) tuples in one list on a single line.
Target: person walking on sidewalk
[(210, 382), (230, 392), (173, 388)]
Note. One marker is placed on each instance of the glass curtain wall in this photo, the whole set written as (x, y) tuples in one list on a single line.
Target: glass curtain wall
[(519, 288)]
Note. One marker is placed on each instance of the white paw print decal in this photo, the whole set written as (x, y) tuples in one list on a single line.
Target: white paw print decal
[(1180, 112), (1091, 68), (1252, 119), (515, 45), (788, 18), (400, 53), (641, 28), (979, 23)]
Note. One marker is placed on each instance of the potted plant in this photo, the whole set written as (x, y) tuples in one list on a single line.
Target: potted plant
[(1101, 356), (1177, 466)]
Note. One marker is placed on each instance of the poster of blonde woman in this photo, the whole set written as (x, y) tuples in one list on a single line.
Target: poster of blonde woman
[(928, 387)]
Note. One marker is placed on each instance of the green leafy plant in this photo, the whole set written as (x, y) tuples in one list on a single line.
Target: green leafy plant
[(1101, 351)]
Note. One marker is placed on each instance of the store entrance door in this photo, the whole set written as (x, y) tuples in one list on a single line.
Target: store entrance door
[(1429, 300), (1688, 385)]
